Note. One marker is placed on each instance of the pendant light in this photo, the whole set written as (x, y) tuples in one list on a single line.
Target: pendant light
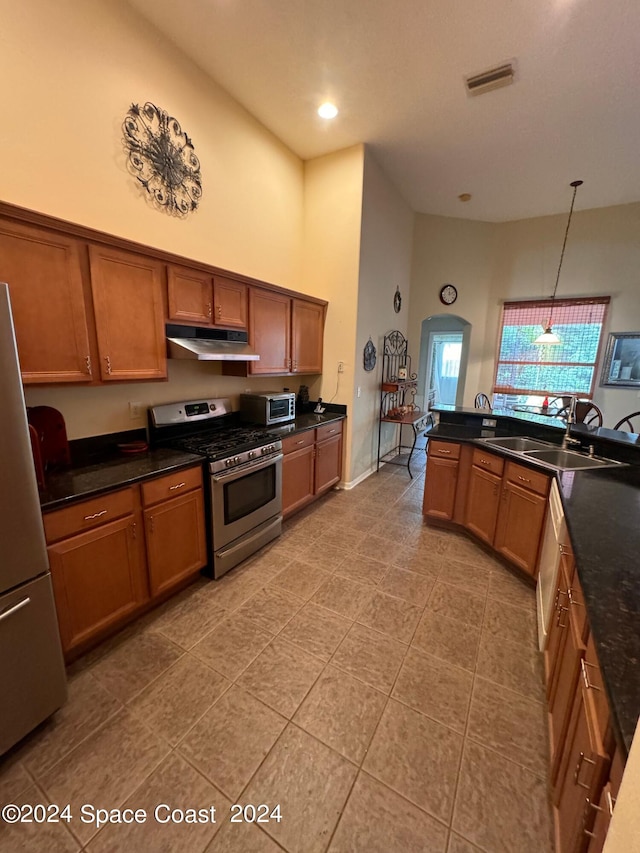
[(549, 336)]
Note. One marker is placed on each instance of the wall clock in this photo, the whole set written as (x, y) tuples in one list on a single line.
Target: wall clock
[(448, 294), (162, 159), (397, 300)]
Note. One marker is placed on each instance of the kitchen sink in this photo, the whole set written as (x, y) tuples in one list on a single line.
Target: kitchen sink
[(518, 443), (567, 460)]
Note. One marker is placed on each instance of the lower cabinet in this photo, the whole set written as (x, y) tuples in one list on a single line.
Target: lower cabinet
[(483, 495), (521, 516), (312, 464), (102, 571), (441, 479)]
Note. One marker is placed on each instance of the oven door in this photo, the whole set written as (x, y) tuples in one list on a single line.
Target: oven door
[(245, 498)]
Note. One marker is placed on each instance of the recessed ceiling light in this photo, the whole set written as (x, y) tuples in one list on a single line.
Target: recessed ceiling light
[(327, 110)]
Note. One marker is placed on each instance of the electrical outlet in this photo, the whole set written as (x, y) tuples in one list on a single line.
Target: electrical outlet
[(135, 411), (341, 367)]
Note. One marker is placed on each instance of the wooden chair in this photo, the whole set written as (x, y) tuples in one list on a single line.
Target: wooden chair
[(482, 402), (628, 420)]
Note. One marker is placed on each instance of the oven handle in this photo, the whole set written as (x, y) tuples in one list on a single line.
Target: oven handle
[(247, 468)]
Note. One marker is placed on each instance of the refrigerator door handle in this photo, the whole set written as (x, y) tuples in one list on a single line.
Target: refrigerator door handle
[(10, 610)]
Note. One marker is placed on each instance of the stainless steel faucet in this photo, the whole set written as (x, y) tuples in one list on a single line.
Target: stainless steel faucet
[(571, 419)]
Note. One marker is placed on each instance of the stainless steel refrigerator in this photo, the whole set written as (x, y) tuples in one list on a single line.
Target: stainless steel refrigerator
[(31, 665)]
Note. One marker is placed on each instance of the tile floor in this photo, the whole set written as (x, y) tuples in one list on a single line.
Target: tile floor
[(376, 678)]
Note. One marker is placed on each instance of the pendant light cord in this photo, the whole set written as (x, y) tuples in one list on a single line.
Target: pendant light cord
[(575, 185)]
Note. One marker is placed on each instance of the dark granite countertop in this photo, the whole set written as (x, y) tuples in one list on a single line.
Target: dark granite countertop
[(305, 422), (602, 510), (75, 484)]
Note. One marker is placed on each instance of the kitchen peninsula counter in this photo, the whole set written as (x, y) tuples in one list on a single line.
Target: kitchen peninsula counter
[(602, 511)]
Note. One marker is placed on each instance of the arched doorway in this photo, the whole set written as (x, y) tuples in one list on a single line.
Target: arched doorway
[(444, 351)]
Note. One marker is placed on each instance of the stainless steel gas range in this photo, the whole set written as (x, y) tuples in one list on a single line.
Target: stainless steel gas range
[(245, 474)]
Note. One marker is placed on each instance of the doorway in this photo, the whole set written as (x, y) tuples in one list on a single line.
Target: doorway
[(443, 367)]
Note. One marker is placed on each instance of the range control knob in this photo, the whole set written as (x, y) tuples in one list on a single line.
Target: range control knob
[(228, 462), (251, 454), (237, 460)]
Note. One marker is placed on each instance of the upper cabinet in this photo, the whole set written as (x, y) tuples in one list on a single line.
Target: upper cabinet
[(44, 272), (200, 298), (307, 328), (127, 295)]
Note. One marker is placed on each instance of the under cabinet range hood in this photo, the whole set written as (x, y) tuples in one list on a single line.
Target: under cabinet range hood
[(209, 344)]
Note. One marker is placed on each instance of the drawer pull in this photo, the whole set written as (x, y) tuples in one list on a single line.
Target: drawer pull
[(177, 486), (576, 773), (558, 594), (524, 479), (444, 451), (585, 675), (95, 515), (485, 462), (561, 611), (301, 441), (331, 430)]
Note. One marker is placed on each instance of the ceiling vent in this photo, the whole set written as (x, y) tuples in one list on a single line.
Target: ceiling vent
[(493, 78)]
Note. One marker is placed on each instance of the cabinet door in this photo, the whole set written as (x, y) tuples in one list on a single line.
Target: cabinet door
[(127, 297), (519, 526), (483, 499), (44, 275), (297, 479), (176, 544), (189, 296), (230, 303), (440, 487), (328, 463), (565, 685), (98, 579), (269, 331), (307, 328)]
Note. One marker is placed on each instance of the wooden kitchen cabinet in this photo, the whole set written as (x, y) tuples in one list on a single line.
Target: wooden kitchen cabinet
[(127, 296), (99, 577), (174, 527), (328, 463), (194, 296), (312, 464), (483, 495), (270, 331), (441, 479), (44, 273), (307, 328), (521, 516)]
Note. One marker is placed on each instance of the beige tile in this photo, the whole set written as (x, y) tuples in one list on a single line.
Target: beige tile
[(448, 639), (377, 820), (512, 665), (281, 676), (105, 769), (36, 837), (461, 845), (177, 700), (232, 646), (242, 838), (411, 586), (14, 779), (300, 579), (507, 586), (270, 609), (228, 744), (135, 663), (417, 757), (323, 556), (311, 782), (413, 558), (177, 785), (195, 618), (510, 724), (390, 615), (470, 576), (89, 705), (512, 623), (343, 596), (354, 520), (457, 603), (266, 565), (362, 570), (465, 550), (374, 547), (312, 526), (316, 630), (341, 712), (500, 805), (435, 688), (232, 590), (370, 657)]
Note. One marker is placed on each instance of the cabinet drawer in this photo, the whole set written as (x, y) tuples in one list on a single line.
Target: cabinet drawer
[(83, 516), (298, 441), (329, 431), (488, 462), (527, 478), (443, 448), (171, 485)]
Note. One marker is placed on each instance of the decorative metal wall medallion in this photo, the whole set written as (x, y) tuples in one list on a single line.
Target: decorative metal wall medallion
[(162, 158), (369, 355), (397, 300)]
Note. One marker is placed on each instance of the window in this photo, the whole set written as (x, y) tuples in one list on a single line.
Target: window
[(524, 368)]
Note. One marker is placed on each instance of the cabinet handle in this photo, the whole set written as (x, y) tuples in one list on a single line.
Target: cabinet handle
[(561, 610), (576, 773), (209, 309), (585, 675), (95, 515), (495, 489), (563, 551), (11, 610), (177, 486), (332, 431), (572, 600), (301, 441), (108, 360), (524, 479), (87, 361), (485, 462), (611, 801), (558, 594), (219, 310), (444, 451), (134, 532), (295, 364)]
